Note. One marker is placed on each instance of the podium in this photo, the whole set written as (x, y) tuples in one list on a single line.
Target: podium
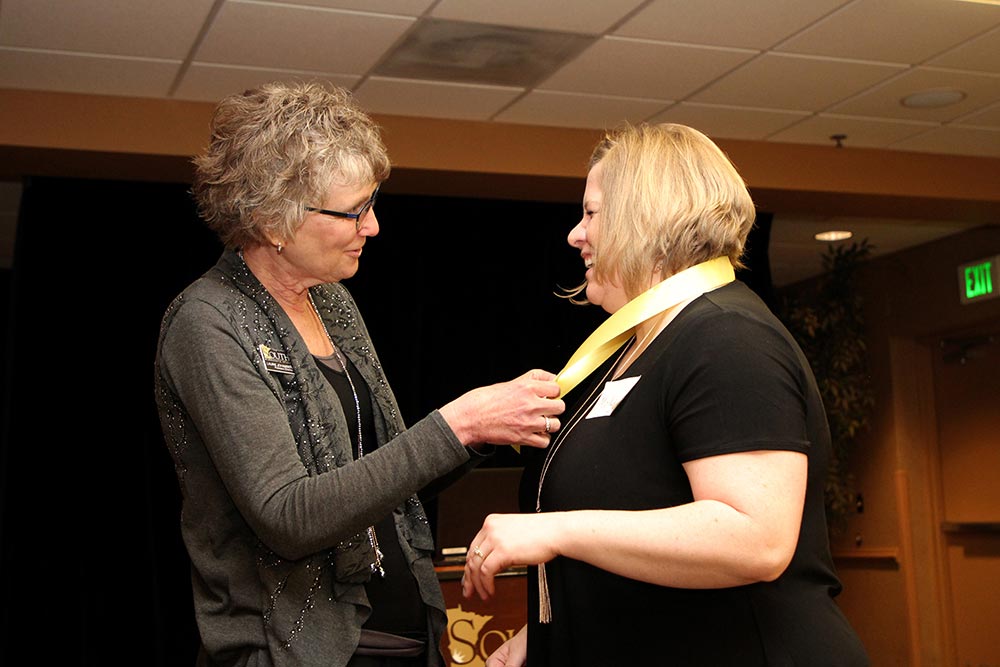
[(476, 628)]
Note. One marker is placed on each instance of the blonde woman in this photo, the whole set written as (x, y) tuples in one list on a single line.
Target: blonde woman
[(678, 517)]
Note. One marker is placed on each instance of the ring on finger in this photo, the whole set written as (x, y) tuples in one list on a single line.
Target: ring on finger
[(548, 424), (477, 551)]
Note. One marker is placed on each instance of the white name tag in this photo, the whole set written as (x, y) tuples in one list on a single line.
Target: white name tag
[(612, 395)]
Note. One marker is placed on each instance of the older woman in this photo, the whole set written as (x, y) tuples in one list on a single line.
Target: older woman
[(307, 541), (678, 518)]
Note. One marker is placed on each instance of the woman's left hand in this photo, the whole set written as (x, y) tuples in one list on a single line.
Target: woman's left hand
[(506, 540), (512, 653)]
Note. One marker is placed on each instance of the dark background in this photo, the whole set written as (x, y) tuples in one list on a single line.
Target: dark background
[(456, 292)]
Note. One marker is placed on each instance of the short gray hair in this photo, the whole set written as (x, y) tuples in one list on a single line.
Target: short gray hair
[(277, 148)]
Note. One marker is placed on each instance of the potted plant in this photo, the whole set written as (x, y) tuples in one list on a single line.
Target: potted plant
[(826, 317)]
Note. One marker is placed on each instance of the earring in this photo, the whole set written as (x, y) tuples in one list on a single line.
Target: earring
[(280, 248)]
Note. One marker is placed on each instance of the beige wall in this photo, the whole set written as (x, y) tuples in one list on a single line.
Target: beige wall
[(915, 592), (71, 134)]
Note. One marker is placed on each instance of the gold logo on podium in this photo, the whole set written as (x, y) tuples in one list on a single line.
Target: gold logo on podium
[(472, 637)]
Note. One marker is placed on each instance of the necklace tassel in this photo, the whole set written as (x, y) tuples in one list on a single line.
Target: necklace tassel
[(544, 603)]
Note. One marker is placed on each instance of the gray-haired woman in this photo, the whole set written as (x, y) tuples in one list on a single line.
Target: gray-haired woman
[(307, 541)]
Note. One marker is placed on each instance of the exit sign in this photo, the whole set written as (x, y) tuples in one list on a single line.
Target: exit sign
[(978, 280)]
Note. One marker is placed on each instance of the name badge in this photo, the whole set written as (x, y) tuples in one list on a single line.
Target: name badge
[(274, 361), (613, 394)]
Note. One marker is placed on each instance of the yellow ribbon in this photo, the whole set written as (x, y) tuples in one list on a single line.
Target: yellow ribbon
[(618, 328)]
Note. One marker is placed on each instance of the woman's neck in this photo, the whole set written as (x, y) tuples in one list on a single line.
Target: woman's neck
[(289, 291), (292, 296), (643, 328)]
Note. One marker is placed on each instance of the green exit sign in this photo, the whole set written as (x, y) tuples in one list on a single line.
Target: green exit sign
[(978, 281)]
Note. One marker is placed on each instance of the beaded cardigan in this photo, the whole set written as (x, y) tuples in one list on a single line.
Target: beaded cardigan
[(273, 518)]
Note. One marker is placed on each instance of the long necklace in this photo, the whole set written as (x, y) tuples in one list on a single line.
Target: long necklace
[(544, 603), (636, 350), (625, 358), (372, 538)]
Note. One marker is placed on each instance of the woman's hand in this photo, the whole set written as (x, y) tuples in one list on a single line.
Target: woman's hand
[(508, 413), (513, 652), (506, 540)]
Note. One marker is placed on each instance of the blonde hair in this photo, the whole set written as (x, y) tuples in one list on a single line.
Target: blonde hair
[(671, 199), (277, 148)]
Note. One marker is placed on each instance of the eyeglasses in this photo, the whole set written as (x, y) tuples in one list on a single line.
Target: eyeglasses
[(356, 217)]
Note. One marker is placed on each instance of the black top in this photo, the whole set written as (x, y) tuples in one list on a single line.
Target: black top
[(725, 376), (395, 598)]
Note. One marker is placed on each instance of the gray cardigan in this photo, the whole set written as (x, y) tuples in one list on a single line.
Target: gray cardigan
[(274, 509)]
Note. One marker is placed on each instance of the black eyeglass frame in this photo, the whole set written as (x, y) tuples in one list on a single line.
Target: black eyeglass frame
[(356, 217)]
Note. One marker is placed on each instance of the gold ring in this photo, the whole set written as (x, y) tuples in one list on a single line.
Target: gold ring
[(548, 424), (477, 551)]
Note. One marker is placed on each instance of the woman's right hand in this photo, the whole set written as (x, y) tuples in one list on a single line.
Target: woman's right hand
[(512, 653), (508, 413)]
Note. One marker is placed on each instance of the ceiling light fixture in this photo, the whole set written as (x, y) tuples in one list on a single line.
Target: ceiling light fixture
[(834, 235), (935, 98)]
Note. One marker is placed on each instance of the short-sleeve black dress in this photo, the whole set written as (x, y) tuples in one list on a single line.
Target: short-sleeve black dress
[(725, 376)]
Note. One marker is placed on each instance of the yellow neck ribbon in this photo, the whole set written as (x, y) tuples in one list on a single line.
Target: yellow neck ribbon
[(618, 328), (614, 331)]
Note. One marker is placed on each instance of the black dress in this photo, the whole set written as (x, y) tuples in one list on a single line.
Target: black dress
[(725, 376)]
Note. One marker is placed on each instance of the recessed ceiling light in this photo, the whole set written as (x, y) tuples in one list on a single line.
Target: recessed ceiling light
[(933, 99), (834, 235)]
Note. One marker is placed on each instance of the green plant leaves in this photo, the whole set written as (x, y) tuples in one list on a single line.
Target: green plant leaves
[(826, 317)]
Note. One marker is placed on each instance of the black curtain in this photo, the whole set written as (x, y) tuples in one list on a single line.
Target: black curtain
[(93, 567), (757, 261), (456, 293)]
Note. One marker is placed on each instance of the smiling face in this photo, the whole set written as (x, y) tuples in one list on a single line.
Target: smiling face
[(325, 248), (586, 238)]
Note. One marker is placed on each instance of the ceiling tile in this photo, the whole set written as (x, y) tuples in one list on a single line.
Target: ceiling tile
[(146, 28), (752, 25), (956, 141), (210, 83), (642, 68), (434, 99), (299, 38), (775, 81), (462, 52), (81, 73), (899, 31), (698, 63), (989, 117), (578, 110), (858, 132), (981, 54), (723, 122), (884, 101), (591, 18), (401, 7)]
